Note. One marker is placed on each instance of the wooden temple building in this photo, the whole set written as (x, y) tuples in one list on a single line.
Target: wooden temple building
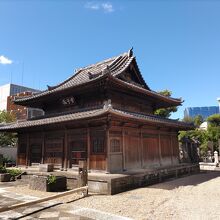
[(102, 114)]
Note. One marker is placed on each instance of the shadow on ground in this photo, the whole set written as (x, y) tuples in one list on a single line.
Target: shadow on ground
[(191, 180)]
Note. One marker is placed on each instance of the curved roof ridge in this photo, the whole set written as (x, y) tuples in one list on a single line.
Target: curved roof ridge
[(142, 78), (101, 62), (148, 91), (120, 63), (85, 68)]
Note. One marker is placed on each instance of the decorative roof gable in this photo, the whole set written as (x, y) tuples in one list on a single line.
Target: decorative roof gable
[(123, 67)]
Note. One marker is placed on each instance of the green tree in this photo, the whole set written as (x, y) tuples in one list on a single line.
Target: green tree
[(165, 112), (7, 138), (214, 120), (197, 120), (188, 119), (211, 134)]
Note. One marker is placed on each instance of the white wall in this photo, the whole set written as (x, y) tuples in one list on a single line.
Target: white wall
[(4, 93), (9, 152)]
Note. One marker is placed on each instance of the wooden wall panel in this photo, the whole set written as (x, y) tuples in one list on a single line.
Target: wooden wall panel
[(54, 148), (132, 150), (36, 148), (77, 146), (175, 146), (98, 149), (97, 162), (166, 150), (22, 148), (151, 151)]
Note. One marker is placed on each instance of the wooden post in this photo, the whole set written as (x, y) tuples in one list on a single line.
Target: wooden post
[(123, 148), (28, 151), (18, 151), (43, 147), (159, 145), (108, 149), (65, 162), (141, 148), (171, 146), (83, 174), (88, 148)]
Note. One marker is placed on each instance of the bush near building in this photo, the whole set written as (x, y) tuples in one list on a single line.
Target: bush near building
[(8, 139), (204, 136)]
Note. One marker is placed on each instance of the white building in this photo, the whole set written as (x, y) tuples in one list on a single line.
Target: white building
[(11, 89)]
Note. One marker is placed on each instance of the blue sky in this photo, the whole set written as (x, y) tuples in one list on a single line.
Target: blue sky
[(177, 43)]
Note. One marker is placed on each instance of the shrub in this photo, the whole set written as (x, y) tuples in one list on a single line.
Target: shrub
[(14, 172), (3, 169), (51, 179)]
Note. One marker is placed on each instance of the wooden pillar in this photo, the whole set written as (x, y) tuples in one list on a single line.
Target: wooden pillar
[(108, 150), (18, 151), (65, 162), (123, 148), (28, 161), (141, 148), (43, 147), (88, 147), (159, 145), (171, 146)]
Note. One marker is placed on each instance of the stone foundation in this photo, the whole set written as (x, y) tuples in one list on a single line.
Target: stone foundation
[(5, 177), (41, 183), (110, 184)]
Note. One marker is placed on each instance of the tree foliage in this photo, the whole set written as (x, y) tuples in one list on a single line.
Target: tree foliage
[(204, 136), (165, 112), (214, 120), (7, 138), (188, 119), (198, 120)]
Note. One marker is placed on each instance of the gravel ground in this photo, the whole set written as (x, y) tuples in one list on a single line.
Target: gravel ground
[(193, 197), (24, 190)]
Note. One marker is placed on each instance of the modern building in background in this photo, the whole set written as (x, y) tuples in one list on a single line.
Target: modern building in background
[(22, 112), (205, 111), (9, 90)]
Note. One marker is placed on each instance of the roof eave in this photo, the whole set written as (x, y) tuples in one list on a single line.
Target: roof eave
[(168, 100)]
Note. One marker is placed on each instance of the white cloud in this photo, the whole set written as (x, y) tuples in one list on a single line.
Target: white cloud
[(92, 6), (5, 60), (105, 6)]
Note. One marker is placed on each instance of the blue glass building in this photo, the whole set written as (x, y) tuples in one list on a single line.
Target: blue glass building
[(203, 111)]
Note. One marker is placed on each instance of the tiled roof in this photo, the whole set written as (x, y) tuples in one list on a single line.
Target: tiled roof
[(149, 92), (94, 113), (153, 119), (113, 66), (53, 120)]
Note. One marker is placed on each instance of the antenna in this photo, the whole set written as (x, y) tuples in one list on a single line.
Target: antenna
[(22, 74), (11, 77)]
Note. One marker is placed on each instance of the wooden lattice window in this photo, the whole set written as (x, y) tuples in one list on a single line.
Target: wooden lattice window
[(98, 145), (115, 145)]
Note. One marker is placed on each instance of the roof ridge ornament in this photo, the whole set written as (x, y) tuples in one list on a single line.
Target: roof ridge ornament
[(106, 70), (93, 75), (130, 52), (50, 87), (107, 104)]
